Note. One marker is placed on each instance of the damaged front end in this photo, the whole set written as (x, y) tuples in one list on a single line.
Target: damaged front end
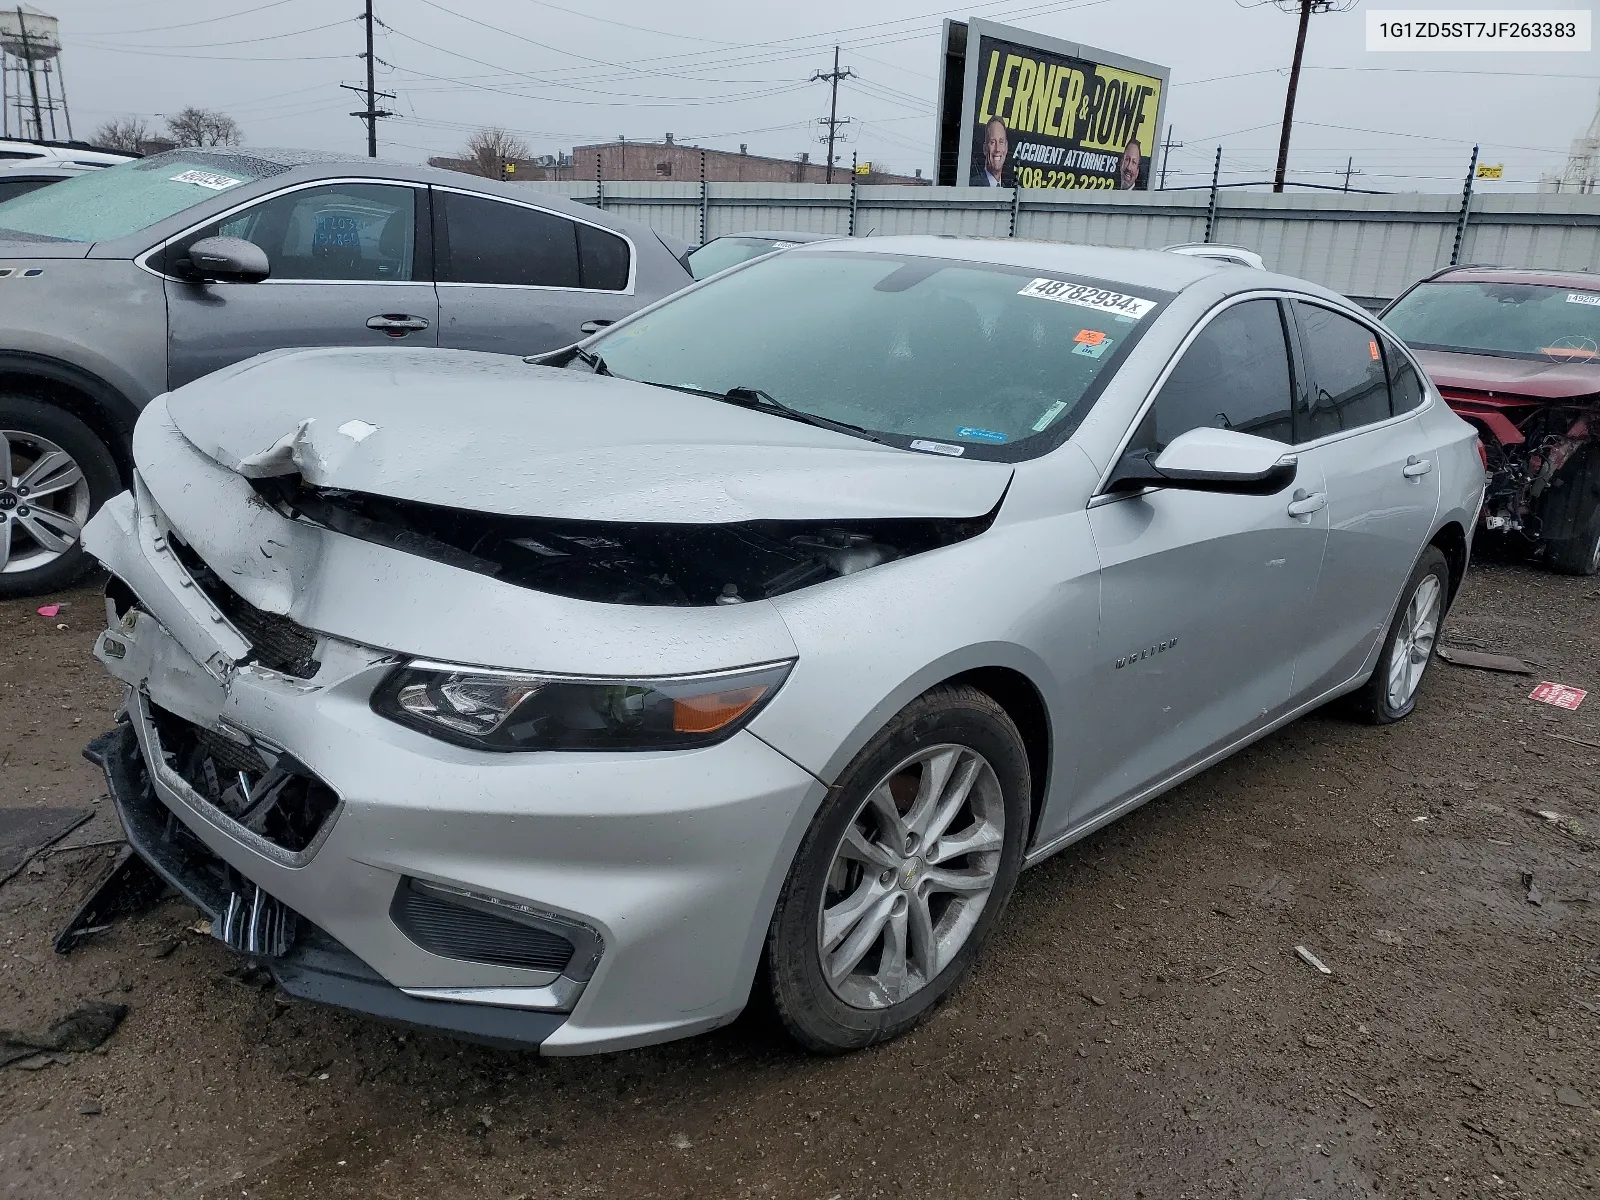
[(622, 562), (1543, 461)]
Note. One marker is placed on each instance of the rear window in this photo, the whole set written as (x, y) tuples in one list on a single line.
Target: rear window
[(1508, 320), (721, 253), (104, 205)]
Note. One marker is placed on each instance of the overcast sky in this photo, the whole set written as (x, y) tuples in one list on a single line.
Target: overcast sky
[(719, 72)]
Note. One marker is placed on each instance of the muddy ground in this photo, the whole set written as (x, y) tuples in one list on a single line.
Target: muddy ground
[(1141, 1026)]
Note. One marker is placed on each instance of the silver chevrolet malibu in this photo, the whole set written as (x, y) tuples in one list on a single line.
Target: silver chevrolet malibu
[(778, 626)]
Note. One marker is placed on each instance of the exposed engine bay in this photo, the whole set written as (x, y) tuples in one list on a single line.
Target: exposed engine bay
[(1544, 468), (617, 562)]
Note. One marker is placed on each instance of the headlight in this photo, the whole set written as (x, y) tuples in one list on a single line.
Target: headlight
[(514, 710)]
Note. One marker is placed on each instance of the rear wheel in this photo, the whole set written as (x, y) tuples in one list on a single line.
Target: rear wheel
[(54, 474), (1391, 693), (902, 875)]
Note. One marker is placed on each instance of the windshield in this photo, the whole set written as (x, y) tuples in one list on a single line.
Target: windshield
[(1510, 320), (721, 253), (943, 356), (103, 205)]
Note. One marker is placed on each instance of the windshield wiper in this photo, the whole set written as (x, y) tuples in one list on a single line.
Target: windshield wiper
[(749, 397), (760, 401), (595, 362)]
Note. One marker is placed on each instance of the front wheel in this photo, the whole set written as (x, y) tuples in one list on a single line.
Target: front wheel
[(902, 875), (54, 474), (1391, 693)]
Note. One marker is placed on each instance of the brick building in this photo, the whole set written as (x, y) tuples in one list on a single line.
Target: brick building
[(669, 160)]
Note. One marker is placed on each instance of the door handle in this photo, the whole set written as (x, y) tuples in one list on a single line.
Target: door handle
[(1416, 467), (397, 325), (594, 326), (1305, 503)]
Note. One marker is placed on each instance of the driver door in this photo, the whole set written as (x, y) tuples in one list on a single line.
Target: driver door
[(350, 267), (1203, 594)]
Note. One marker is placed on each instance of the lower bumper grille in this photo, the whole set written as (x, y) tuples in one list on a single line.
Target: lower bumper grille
[(279, 800), (454, 925)]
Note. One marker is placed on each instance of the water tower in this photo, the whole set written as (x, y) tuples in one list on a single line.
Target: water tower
[(32, 91)]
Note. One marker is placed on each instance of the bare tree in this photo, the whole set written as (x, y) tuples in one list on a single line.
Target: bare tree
[(203, 127), (129, 134), (489, 148)]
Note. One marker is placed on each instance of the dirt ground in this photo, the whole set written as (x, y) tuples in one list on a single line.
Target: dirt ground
[(1141, 1026)]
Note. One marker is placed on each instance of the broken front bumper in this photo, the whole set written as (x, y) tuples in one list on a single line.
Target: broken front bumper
[(316, 966), (648, 876)]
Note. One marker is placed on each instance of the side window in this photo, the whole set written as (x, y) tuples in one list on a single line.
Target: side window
[(1234, 375), (602, 259), (344, 231), (1348, 386), (486, 241), (1406, 391)]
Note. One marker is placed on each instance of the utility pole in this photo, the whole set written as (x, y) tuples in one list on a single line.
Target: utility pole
[(372, 113), (1167, 147), (833, 122), (1294, 87), (1349, 170)]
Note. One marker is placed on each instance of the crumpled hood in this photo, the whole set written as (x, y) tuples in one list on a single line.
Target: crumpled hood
[(1510, 376), (490, 433)]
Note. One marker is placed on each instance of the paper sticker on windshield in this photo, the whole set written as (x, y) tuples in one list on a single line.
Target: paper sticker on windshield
[(1089, 337), (1372, 348), (207, 179), (939, 448), (1050, 414), (980, 435), (1094, 350), (784, 245), (1102, 299), (1582, 298)]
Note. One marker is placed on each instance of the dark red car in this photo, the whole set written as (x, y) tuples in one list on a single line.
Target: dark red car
[(1517, 353)]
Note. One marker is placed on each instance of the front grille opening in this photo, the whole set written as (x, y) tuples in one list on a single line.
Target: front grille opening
[(277, 797), (465, 927), (276, 642), (123, 601)]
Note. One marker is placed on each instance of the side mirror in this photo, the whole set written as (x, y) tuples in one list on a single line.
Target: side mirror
[(1210, 460), (232, 260)]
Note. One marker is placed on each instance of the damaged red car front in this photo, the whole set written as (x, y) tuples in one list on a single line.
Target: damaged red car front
[(1517, 353)]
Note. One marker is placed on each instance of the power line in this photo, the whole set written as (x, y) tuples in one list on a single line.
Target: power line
[(833, 120), (186, 24)]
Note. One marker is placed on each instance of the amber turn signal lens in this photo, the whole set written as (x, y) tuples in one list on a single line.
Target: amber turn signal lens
[(710, 712)]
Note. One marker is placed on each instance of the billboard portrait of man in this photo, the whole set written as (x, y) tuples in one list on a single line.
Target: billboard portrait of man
[(1132, 162), (994, 164)]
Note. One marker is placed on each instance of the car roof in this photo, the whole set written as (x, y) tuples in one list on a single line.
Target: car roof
[(1561, 279), (1137, 268)]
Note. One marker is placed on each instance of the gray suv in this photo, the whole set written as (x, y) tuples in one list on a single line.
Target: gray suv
[(122, 284)]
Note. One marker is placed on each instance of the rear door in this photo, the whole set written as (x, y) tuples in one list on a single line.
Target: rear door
[(349, 267), (514, 278), (1202, 593), (1359, 429)]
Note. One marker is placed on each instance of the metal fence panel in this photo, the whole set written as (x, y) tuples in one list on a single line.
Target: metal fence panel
[(1369, 247)]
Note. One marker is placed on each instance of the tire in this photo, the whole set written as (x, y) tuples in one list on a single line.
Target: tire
[(955, 731), (1377, 702), (1569, 514), (40, 546), (1578, 555)]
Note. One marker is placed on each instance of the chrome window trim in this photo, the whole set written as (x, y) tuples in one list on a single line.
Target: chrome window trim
[(633, 250), (142, 260), (1101, 496)]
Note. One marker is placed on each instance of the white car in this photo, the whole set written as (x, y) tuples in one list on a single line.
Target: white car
[(784, 622)]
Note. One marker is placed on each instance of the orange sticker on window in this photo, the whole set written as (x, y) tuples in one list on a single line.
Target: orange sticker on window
[(1373, 346), (1090, 337)]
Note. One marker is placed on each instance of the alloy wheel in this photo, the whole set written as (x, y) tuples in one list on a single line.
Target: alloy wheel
[(1413, 642), (44, 501), (911, 876)]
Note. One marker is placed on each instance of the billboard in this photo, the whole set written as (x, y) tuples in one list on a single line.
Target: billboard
[(1017, 109)]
